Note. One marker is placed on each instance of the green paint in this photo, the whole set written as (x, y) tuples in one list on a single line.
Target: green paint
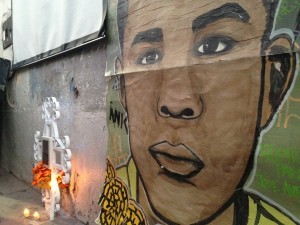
[(291, 190), (268, 184), (279, 154), (287, 13), (272, 185), (285, 171)]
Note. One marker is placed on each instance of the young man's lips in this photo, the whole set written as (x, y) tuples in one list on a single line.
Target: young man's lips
[(176, 160)]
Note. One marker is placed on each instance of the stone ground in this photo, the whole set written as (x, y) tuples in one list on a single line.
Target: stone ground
[(15, 196)]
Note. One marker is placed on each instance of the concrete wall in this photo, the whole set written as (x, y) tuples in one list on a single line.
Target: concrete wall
[(77, 81)]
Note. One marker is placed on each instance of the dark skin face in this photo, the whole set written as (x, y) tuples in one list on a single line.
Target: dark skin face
[(192, 126)]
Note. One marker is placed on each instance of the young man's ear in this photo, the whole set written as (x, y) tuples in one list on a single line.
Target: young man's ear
[(280, 64), (119, 73)]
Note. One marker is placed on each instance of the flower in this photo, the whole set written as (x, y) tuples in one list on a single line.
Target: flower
[(117, 207), (42, 177)]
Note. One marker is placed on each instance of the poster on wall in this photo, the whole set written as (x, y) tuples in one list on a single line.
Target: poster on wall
[(42, 29), (203, 113)]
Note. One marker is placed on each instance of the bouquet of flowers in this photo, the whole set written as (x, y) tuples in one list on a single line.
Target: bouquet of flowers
[(42, 177)]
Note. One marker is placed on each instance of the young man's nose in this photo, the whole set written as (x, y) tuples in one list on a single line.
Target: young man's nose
[(177, 98)]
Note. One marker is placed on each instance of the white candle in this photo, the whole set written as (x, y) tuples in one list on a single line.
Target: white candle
[(26, 213), (36, 216)]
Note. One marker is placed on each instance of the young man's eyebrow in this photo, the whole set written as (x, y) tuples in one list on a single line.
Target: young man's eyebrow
[(151, 35), (228, 10)]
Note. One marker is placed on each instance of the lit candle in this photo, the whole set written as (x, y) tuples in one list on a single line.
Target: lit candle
[(36, 216), (26, 213)]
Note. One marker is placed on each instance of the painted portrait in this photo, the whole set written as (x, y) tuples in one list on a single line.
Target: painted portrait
[(194, 87)]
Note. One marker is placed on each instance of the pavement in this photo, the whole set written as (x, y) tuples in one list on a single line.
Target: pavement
[(15, 196)]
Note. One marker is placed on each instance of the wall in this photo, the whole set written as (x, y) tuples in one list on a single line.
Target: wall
[(193, 135), (5, 10), (77, 81)]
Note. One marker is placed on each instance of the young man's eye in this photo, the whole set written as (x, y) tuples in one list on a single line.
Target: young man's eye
[(213, 45), (150, 57)]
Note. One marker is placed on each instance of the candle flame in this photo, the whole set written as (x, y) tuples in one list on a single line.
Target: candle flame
[(26, 212), (36, 216)]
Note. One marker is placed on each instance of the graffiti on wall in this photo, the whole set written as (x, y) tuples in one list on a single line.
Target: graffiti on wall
[(202, 115)]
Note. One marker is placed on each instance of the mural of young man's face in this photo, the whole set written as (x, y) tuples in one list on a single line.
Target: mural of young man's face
[(197, 102)]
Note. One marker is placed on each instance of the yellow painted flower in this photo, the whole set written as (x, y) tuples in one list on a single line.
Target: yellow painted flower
[(117, 208)]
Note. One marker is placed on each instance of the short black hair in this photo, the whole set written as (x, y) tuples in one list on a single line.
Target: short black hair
[(122, 14), (270, 7)]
